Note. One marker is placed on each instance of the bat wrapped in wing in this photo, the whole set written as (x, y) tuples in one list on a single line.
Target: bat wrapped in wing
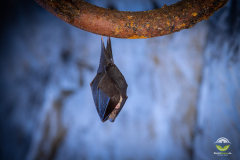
[(109, 87)]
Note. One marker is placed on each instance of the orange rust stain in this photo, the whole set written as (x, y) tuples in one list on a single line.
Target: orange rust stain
[(133, 24), (183, 25), (168, 23), (137, 37), (129, 17), (194, 14), (151, 14), (116, 30)]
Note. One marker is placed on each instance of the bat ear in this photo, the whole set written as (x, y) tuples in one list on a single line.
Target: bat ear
[(102, 57), (109, 49)]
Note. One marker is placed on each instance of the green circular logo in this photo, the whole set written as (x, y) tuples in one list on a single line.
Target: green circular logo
[(222, 144)]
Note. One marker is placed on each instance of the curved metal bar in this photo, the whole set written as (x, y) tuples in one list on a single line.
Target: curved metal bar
[(120, 24)]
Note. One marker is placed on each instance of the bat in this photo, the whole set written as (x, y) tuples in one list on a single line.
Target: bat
[(109, 87)]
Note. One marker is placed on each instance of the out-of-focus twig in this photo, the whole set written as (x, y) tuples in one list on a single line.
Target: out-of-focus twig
[(53, 131)]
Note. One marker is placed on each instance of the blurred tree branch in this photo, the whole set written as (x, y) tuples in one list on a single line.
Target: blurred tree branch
[(146, 24)]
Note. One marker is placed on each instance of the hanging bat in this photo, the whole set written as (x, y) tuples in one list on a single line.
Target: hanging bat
[(109, 87)]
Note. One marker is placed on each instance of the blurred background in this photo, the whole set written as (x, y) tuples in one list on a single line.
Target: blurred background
[(183, 88)]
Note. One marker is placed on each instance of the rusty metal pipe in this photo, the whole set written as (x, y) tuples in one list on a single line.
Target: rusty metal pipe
[(120, 24)]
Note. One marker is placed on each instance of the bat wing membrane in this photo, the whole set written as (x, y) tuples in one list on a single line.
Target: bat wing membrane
[(103, 104), (107, 90), (118, 79), (94, 88)]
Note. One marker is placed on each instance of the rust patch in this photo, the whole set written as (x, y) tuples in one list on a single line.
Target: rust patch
[(137, 37), (194, 14), (183, 25), (146, 24)]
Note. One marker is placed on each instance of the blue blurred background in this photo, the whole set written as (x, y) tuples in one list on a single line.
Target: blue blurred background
[(184, 88)]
